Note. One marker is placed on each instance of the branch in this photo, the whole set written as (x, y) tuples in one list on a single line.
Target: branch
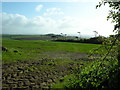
[(111, 46)]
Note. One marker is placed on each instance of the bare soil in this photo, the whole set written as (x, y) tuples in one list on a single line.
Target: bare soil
[(35, 38), (38, 73)]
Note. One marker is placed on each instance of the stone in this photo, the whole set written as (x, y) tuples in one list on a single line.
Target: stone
[(49, 81), (13, 85), (4, 49), (27, 83), (20, 84), (43, 84)]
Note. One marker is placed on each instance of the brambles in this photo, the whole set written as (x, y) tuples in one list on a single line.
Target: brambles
[(98, 74)]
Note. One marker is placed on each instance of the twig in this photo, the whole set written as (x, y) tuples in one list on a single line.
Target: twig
[(111, 46)]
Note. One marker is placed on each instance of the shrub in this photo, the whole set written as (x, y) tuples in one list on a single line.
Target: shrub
[(99, 74)]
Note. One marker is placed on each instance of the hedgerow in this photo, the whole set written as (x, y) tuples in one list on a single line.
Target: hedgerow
[(99, 74)]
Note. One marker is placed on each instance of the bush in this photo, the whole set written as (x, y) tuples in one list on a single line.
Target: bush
[(95, 40), (99, 74)]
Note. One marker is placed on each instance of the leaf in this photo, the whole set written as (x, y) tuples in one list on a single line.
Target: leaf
[(96, 6)]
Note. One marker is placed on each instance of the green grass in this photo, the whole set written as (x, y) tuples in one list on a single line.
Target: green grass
[(33, 49), (19, 36)]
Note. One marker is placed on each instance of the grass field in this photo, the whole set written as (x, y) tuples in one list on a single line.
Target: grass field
[(34, 49), (40, 60)]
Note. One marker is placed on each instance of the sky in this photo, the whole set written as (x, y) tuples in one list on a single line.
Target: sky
[(55, 17)]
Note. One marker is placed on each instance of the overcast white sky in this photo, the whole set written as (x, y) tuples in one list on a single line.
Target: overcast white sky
[(55, 17)]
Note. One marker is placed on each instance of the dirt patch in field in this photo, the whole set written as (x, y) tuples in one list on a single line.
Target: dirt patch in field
[(35, 38), (69, 55), (41, 73), (34, 74)]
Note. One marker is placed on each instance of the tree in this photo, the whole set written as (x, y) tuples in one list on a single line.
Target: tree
[(54, 36), (61, 34), (95, 33), (114, 14), (76, 37), (65, 36), (79, 34)]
